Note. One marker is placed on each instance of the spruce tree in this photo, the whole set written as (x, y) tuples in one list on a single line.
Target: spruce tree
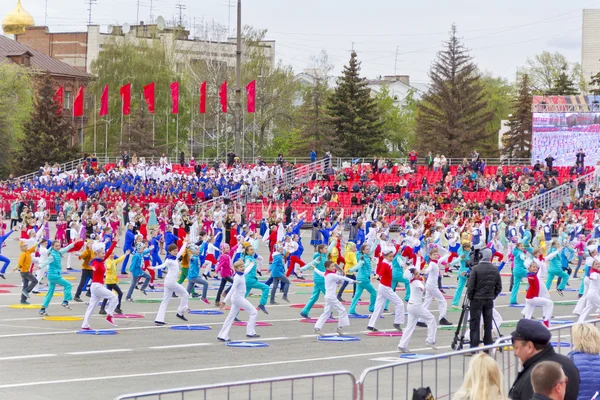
[(453, 116), (139, 136), (316, 129), (48, 135), (563, 86), (517, 141), (358, 129)]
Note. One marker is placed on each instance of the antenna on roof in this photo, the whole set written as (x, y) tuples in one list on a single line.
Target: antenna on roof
[(110, 29), (126, 28)]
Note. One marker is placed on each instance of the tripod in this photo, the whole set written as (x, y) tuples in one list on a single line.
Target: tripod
[(461, 329)]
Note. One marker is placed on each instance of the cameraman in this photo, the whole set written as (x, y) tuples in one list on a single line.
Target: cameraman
[(483, 287)]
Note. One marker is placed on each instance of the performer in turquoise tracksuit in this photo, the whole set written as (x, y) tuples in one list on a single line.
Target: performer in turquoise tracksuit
[(463, 256), (555, 269), (318, 262), (527, 241), (398, 264), (363, 278), (519, 271), (55, 275), (252, 281)]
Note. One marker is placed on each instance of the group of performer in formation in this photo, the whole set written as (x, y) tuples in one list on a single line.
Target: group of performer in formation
[(222, 242)]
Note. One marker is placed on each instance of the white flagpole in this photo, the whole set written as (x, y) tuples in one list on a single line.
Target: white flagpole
[(121, 142), (177, 135), (95, 99), (203, 135), (218, 130)]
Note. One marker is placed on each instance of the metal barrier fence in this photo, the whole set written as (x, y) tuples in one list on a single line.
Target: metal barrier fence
[(389, 382), (339, 385), (396, 381), (552, 197)]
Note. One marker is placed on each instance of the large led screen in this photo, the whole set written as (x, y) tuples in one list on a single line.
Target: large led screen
[(561, 135)]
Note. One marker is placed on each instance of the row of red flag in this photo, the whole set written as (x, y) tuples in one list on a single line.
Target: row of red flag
[(149, 97)]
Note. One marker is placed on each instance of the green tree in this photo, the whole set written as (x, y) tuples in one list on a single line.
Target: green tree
[(517, 141), (16, 105), (563, 85), (453, 116), (314, 123), (358, 128), (397, 121), (139, 137), (545, 68), (139, 64), (499, 94), (47, 135)]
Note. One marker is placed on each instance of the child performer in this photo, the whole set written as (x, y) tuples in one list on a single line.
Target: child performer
[(171, 286), (433, 292), (385, 293), (194, 273), (136, 270), (536, 296), (237, 298), (55, 274), (364, 277), (593, 293), (318, 262), (463, 272), (331, 302), (350, 258), (278, 272), (112, 281), (99, 291), (417, 311), (23, 265)]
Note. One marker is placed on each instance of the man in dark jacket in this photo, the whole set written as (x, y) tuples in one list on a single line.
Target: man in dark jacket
[(531, 344), (483, 287)]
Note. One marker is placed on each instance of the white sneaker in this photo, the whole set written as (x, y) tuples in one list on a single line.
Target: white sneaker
[(403, 350), (430, 344), (339, 331), (318, 332)]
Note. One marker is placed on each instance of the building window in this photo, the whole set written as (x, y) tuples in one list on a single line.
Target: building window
[(67, 103)]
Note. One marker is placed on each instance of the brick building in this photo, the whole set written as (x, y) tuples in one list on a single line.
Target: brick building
[(71, 78)]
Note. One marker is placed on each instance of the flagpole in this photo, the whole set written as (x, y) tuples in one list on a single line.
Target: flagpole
[(106, 138), (253, 136), (177, 135), (218, 130), (167, 133), (192, 129), (95, 99), (153, 131), (243, 137), (226, 136), (82, 135), (121, 141), (203, 136)]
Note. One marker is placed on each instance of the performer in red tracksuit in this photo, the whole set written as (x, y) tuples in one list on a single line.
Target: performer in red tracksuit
[(385, 293)]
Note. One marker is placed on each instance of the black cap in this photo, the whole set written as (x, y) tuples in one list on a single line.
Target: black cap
[(531, 331)]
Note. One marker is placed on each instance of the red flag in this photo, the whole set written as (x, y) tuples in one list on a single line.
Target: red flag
[(78, 103), (126, 99), (104, 102), (175, 97), (223, 97), (203, 98), (59, 99), (149, 96), (251, 97)]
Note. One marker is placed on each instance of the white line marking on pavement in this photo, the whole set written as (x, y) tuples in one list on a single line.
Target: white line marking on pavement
[(81, 353), (188, 371), (26, 357), (177, 346)]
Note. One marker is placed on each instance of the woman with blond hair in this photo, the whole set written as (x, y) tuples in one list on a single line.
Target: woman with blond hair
[(586, 357), (483, 380)]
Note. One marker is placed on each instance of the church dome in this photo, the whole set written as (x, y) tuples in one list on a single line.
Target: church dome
[(17, 20)]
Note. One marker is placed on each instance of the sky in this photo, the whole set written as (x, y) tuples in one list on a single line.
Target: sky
[(389, 36)]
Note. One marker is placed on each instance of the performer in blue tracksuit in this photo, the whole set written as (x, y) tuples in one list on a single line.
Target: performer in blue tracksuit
[(128, 245), (155, 244), (363, 277), (4, 259)]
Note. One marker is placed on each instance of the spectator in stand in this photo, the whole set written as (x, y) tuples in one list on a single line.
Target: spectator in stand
[(280, 159), (549, 161), (581, 188), (586, 356), (412, 157), (537, 167), (182, 159), (531, 343), (313, 156), (549, 381), (429, 161), (483, 380), (580, 158), (125, 160)]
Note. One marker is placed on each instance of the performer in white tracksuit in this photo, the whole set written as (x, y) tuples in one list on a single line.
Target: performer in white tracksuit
[(171, 286), (537, 295), (433, 292), (593, 292), (331, 301), (237, 298), (589, 261), (385, 293), (44, 251), (417, 311)]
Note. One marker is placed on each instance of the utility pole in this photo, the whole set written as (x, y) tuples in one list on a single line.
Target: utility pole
[(181, 8), (137, 15), (396, 61), (238, 75), (89, 3), (151, 11)]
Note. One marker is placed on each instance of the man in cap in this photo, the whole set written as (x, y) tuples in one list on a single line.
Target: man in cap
[(531, 344), (483, 286)]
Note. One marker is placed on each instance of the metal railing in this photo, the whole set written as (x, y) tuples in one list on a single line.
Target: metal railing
[(114, 158), (391, 381), (339, 385), (552, 197), (339, 162), (396, 380), (68, 166)]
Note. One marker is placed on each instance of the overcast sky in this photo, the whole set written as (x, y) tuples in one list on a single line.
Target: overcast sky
[(500, 34)]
